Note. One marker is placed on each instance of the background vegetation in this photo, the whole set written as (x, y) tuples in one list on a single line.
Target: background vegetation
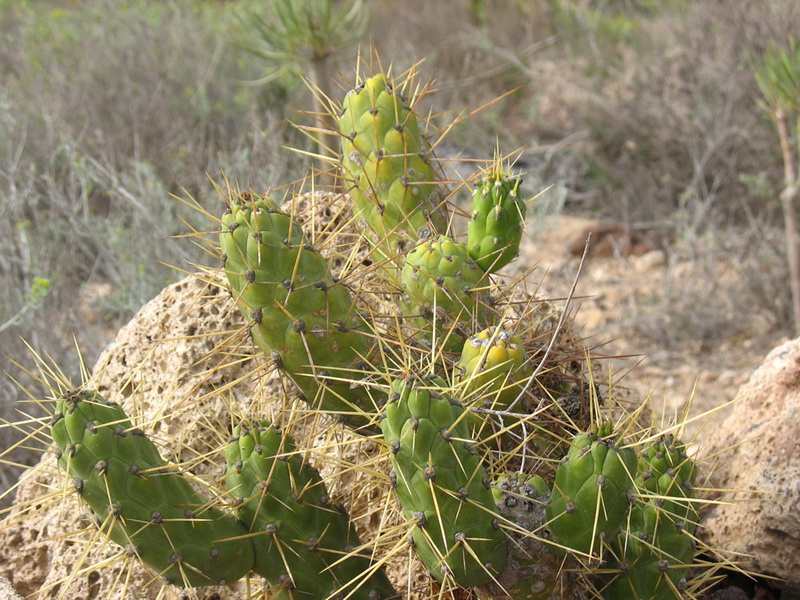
[(637, 111)]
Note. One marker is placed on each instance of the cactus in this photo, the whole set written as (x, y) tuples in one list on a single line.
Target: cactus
[(287, 529), (498, 212), (650, 559), (592, 491), (389, 177), (492, 515), (440, 484), (441, 291), (651, 556), (494, 364), (668, 474), (305, 545), (146, 507), (299, 314)]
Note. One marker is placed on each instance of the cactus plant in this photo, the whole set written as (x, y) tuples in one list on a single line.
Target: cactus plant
[(300, 315), (465, 421), (441, 291), (592, 491), (494, 364), (146, 507), (304, 544), (498, 214), (668, 474), (651, 556), (440, 484)]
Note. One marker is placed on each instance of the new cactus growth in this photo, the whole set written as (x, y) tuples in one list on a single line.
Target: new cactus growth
[(494, 365), (145, 505), (441, 485), (442, 290), (498, 213), (305, 544), (592, 491), (390, 180)]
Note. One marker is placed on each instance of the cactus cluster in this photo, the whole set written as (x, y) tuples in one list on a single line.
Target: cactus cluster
[(503, 477), (144, 505)]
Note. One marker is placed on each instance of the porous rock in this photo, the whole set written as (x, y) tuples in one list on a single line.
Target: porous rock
[(756, 453)]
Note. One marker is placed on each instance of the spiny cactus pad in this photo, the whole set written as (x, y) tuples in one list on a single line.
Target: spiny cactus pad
[(390, 179), (145, 506), (650, 558), (592, 491), (440, 286), (498, 213), (441, 486), (299, 314), (305, 544), (668, 474)]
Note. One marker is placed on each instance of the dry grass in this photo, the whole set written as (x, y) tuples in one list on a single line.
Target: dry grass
[(106, 109)]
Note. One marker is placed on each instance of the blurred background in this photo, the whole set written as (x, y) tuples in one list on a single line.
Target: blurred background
[(643, 114)]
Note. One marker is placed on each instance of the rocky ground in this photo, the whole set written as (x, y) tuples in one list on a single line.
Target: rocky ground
[(616, 300)]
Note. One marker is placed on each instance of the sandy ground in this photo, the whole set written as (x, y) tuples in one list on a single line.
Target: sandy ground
[(616, 296)]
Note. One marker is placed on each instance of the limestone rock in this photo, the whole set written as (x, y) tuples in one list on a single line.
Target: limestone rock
[(757, 455), (7, 592)]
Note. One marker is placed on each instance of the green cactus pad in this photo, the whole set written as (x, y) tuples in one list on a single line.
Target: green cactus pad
[(650, 559), (304, 542), (299, 314), (493, 364), (440, 286), (668, 474), (390, 179), (592, 491), (498, 213), (145, 505), (441, 485)]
